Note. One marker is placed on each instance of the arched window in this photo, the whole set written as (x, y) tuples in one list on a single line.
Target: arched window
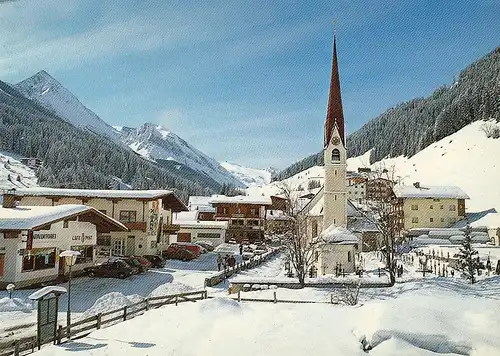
[(336, 155), (314, 228)]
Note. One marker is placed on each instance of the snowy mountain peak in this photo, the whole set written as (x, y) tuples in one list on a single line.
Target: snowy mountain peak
[(50, 94), (157, 143), (250, 176)]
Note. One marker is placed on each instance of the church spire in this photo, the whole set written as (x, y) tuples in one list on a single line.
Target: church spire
[(334, 115)]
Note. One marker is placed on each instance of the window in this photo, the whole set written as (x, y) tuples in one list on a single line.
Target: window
[(127, 216), (335, 197), (221, 210), (117, 247), (442, 219), (414, 220), (252, 211), (104, 240), (65, 224), (335, 172), (431, 219), (86, 253), (153, 244), (414, 207), (431, 207), (441, 207), (316, 256), (253, 222), (336, 155), (10, 234), (206, 235), (453, 208), (239, 211), (37, 259), (314, 228), (349, 256)]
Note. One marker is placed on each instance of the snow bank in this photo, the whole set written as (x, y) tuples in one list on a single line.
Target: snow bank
[(109, 302), (171, 288), (14, 305)]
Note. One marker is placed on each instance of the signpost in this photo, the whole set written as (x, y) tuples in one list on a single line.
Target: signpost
[(48, 305)]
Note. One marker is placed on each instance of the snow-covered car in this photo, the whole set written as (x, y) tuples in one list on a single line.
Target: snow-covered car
[(247, 255), (206, 245), (232, 241), (260, 250)]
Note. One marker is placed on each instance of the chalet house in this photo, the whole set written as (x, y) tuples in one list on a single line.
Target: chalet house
[(203, 206), (428, 206), (32, 237), (147, 214), (245, 215), (379, 189)]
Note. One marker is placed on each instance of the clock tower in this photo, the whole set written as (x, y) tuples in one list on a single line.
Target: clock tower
[(335, 154)]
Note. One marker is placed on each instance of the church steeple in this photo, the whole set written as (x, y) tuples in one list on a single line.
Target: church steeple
[(334, 115)]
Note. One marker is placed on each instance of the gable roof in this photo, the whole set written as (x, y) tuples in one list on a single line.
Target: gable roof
[(338, 235), (170, 199), (241, 199), (442, 192), (38, 217)]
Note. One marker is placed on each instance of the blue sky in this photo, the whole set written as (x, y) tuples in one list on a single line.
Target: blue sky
[(244, 81)]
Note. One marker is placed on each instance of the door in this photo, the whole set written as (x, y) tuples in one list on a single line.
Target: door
[(184, 237), (2, 264), (117, 247), (130, 250)]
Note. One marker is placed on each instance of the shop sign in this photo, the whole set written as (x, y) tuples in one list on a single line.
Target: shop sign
[(40, 239), (83, 239)]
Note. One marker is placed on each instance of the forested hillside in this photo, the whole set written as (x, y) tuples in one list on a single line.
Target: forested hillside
[(77, 158), (411, 126)]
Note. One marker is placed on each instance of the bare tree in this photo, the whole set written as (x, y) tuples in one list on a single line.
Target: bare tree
[(300, 249), (386, 215)]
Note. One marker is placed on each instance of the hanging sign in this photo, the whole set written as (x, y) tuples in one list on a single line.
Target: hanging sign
[(29, 240)]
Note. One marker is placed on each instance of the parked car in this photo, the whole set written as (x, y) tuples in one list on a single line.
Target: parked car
[(207, 245), (145, 263), (156, 261), (176, 253), (194, 248), (115, 269), (131, 261), (247, 255)]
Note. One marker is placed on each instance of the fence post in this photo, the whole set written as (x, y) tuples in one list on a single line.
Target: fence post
[(176, 301), (206, 295), (124, 313), (59, 334), (99, 316), (147, 304), (16, 348), (331, 298), (239, 296), (275, 300)]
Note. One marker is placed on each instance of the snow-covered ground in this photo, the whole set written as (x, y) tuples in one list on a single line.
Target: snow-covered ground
[(10, 165), (424, 317), (467, 159)]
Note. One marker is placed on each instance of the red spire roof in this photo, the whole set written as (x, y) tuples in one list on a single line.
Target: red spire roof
[(334, 114)]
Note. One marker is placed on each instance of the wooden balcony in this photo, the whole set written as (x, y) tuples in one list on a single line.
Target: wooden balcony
[(137, 225), (171, 228)]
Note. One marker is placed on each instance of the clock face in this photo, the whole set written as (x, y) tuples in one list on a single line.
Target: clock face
[(335, 140)]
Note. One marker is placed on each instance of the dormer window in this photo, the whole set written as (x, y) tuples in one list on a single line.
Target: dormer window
[(335, 155)]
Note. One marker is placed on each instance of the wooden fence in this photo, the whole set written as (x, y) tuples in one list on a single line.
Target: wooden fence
[(245, 265), (84, 327)]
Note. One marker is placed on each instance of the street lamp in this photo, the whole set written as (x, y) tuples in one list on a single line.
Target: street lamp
[(69, 259), (10, 288)]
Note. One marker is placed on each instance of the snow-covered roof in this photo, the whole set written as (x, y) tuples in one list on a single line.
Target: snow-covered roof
[(47, 290), (339, 235), (241, 199), (362, 225), (489, 219), (426, 241), (438, 192), (197, 200), (30, 217), (272, 214), (202, 224), (92, 193), (185, 216)]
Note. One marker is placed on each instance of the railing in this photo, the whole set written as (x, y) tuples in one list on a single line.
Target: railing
[(252, 263), (84, 327)]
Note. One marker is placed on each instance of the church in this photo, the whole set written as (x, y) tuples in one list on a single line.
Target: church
[(326, 214)]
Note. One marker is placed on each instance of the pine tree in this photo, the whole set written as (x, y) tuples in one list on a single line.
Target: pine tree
[(467, 260)]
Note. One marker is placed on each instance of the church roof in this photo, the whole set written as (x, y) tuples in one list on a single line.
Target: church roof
[(334, 114), (338, 235)]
